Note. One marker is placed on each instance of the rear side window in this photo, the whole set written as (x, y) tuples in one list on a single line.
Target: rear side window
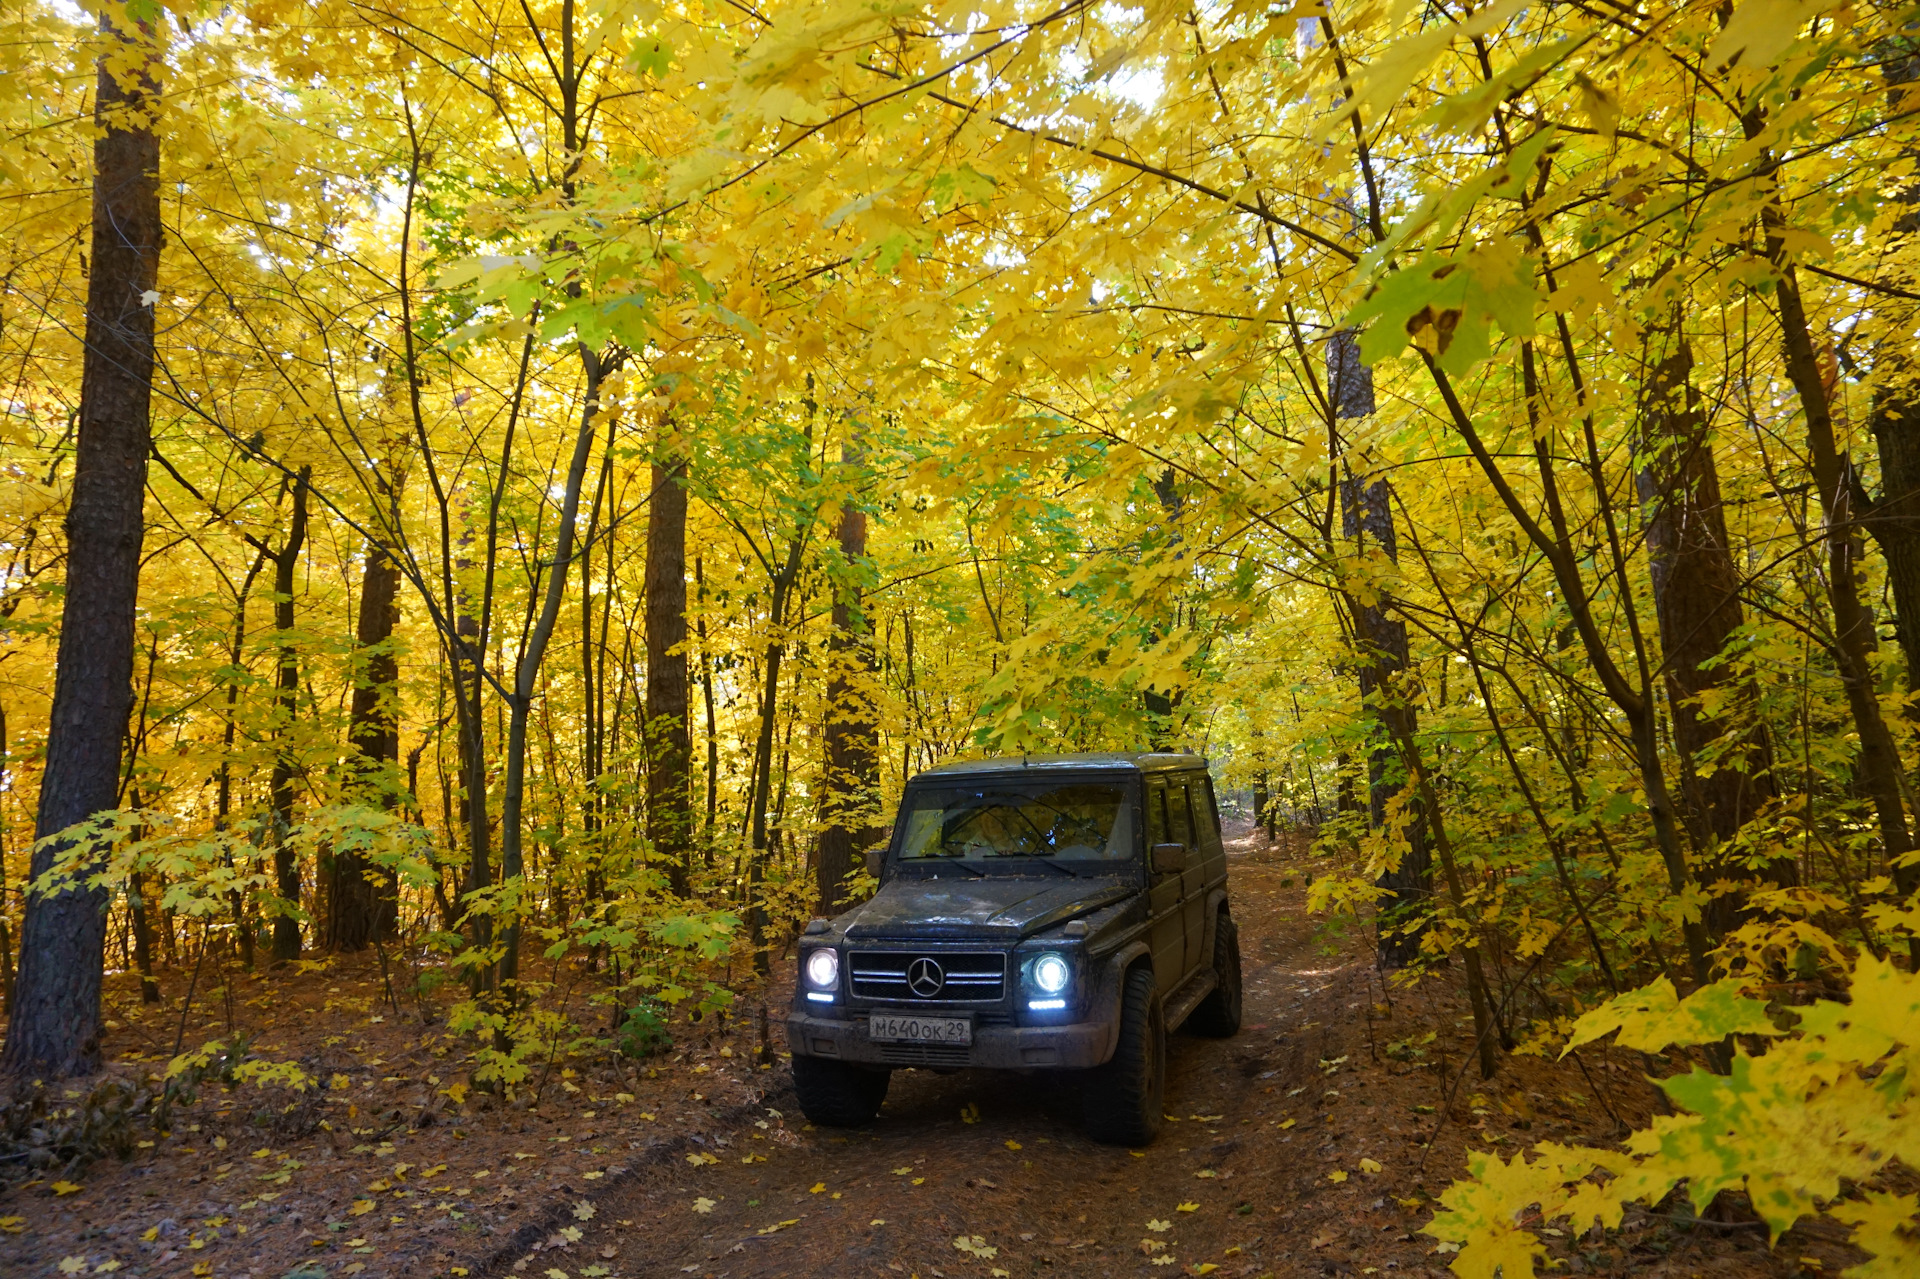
[(1179, 827), (1206, 815)]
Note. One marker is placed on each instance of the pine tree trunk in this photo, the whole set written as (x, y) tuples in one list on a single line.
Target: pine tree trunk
[(852, 735), (669, 746), (1696, 598), (286, 700), (362, 900), (54, 1025), (1366, 515)]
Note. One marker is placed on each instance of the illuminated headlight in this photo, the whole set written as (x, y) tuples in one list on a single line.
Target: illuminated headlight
[(823, 968), (1051, 974)]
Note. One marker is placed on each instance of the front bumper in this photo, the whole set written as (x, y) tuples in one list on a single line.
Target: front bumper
[(1070, 1046)]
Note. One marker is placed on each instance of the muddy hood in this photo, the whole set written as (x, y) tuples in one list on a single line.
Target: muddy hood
[(993, 909)]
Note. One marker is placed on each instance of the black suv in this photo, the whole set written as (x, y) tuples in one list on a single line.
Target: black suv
[(1057, 913)]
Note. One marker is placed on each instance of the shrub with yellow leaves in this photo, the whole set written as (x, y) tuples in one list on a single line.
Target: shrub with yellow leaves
[(1800, 1128)]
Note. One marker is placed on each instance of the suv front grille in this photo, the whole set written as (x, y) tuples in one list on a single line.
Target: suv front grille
[(918, 976)]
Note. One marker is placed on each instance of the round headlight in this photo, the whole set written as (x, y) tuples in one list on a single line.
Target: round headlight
[(1050, 974), (823, 968)]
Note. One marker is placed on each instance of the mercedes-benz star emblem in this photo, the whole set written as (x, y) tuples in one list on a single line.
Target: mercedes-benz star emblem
[(924, 978)]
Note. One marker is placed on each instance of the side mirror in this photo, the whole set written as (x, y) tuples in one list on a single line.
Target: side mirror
[(1168, 859)]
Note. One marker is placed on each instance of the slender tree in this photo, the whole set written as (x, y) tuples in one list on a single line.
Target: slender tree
[(286, 703), (852, 732), (668, 740)]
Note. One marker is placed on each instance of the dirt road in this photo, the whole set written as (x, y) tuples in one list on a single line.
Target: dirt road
[(985, 1174)]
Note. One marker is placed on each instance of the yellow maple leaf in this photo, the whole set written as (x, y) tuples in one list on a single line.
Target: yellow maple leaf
[(1186, 1208), (67, 1188), (1369, 1165), (13, 1225), (1338, 1175), (361, 1207)]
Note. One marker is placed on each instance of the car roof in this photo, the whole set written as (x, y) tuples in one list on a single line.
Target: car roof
[(1086, 761)]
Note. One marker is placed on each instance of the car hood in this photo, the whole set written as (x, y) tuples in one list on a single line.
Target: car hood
[(995, 908)]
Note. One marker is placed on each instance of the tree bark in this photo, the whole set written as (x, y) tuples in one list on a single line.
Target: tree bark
[(286, 702), (362, 900), (1696, 594), (1366, 515), (54, 1023), (852, 733), (668, 741)]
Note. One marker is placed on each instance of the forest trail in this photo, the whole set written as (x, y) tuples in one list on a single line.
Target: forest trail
[(995, 1162)]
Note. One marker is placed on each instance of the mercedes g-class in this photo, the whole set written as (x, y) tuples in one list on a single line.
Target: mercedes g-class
[(1044, 913)]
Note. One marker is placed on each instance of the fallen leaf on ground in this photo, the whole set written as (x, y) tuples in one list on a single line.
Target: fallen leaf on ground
[(975, 1246), (1187, 1208), (1369, 1165), (817, 1187), (1338, 1175), (1012, 1144), (1160, 1225), (72, 1265), (66, 1188), (583, 1211), (12, 1225), (703, 1205)]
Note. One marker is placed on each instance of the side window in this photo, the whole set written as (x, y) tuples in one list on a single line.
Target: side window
[(1206, 815), (1179, 828), (1156, 815)]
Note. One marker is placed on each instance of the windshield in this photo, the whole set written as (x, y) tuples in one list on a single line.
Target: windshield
[(1071, 821)]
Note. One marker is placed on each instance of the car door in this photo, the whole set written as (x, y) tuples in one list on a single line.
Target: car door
[(1193, 893), (1168, 931)]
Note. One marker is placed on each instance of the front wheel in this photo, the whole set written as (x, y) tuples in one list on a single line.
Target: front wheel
[(837, 1094), (1122, 1101), (1218, 1015)]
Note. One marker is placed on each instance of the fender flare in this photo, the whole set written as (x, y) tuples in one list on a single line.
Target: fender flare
[(1104, 1003), (1216, 907)]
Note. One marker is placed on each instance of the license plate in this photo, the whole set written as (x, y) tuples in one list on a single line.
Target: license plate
[(913, 1029)]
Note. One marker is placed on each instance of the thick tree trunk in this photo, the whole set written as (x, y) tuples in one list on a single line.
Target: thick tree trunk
[(286, 701), (669, 745), (1366, 515), (852, 733), (54, 1026), (1696, 597), (362, 902)]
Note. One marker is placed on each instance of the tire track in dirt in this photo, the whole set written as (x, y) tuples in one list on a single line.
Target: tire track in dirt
[(995, 1163)]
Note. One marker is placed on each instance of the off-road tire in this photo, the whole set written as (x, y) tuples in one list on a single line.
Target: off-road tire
[(1123, 1100), (1218, 1015), (838, 1094)]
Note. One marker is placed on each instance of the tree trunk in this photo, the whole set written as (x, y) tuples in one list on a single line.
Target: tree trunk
[(1366, 515), (1894, 520), (54, 1024), (533, 653), (286, 699), (852, 733), (1696, 598), (362, 900), (669, 745)]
